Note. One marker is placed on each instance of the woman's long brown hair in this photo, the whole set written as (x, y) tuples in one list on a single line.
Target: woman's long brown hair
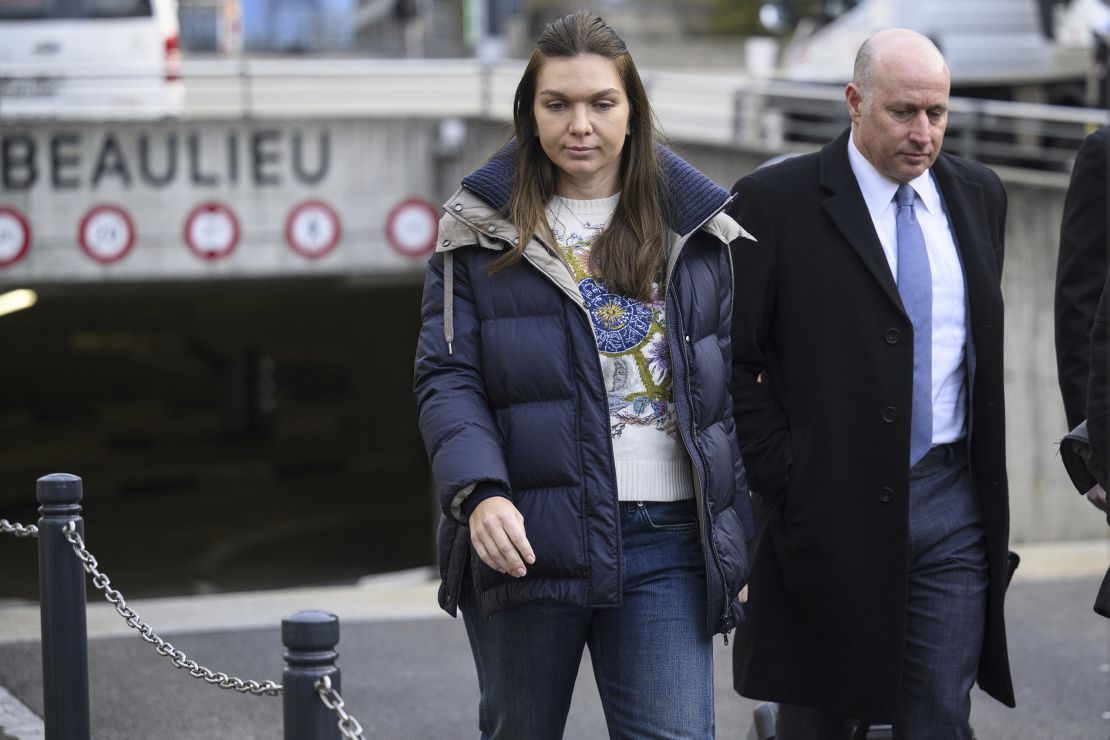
[(631, 253)]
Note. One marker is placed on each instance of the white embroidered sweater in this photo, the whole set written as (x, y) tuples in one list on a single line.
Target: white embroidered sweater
[(650, 458)]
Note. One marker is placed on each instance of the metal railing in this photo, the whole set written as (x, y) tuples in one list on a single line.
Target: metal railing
[(708, 108), (312, 706)]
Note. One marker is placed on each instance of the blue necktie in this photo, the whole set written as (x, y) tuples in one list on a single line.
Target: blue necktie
[(915, 285)]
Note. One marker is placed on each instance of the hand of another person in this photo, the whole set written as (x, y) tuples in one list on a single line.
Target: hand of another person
[(743, 595), (497, 533), (1097, 496)]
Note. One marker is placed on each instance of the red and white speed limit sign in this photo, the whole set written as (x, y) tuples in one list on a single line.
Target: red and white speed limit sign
[(15, 236), (106, 234), (211, 231), (411, 227), (312, 229)]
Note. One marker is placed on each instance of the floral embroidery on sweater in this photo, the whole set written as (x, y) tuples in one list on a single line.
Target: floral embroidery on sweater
[(631, 340)]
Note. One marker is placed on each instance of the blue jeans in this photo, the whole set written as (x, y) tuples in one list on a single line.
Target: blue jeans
[(946, 613), (652, 656)]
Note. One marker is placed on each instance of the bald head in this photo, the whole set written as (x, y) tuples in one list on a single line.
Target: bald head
[(898, 48), (898, 103)]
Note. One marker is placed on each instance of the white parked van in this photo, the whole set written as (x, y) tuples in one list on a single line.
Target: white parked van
[(994, 48), (89, 59)]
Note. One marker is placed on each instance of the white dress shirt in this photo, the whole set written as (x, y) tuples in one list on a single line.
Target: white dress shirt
[(949, 297)]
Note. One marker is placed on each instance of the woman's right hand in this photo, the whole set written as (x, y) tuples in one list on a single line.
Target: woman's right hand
[(497, 533)]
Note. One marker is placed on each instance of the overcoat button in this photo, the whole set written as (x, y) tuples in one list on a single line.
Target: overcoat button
[(491, 228), (890, 414), (893, 336), (458, 207), (886, 495), (516, 240), (446, 242)]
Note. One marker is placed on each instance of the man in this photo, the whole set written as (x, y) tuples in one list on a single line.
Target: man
[(1082, 334), (1081, 267), (867, 380)]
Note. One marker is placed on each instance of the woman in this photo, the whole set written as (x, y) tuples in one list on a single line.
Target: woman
[(572, 376)]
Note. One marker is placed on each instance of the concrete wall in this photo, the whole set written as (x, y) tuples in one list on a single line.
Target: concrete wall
[(1044, 505)]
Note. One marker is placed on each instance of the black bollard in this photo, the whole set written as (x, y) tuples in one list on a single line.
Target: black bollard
[(65, 660), (310, 638)]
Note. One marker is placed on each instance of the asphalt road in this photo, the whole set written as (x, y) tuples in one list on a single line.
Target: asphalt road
[(414, 679)]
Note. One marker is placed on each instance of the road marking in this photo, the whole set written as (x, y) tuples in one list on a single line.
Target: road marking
[(17, 721)]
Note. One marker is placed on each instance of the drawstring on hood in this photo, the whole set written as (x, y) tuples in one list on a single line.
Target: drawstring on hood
[(449, 300)]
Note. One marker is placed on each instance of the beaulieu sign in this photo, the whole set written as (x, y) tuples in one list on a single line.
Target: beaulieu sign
[(265, 157)]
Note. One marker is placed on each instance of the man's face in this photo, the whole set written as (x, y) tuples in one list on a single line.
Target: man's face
[(901, 128)]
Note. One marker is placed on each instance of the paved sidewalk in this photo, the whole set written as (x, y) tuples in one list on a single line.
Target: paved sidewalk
[(407, 672)]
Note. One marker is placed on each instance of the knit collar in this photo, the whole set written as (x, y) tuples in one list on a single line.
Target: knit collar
[(694, 198)]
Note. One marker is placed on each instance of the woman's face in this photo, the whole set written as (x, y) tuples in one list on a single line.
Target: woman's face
[(582, 121)]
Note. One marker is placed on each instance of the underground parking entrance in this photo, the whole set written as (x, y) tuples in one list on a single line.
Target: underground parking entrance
[(231, 435)]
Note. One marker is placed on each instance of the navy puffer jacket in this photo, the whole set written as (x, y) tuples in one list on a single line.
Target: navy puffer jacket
[(510, 393)]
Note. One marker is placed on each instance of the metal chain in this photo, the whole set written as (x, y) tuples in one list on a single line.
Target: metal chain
[(348, 725), (163, 648), (18, 529)]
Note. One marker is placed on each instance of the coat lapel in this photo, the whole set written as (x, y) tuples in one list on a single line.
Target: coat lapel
[(847, 209)]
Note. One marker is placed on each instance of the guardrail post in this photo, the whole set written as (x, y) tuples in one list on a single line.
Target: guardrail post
[(310, 638), (65, 661)]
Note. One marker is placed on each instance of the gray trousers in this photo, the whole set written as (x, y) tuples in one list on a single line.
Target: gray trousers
[(946, 613)]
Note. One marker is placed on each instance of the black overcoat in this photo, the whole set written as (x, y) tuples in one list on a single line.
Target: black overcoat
[(822, 387), (1082, 263), (1082, 336)]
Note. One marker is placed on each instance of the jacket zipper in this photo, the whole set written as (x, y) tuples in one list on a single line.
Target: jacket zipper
[(696, 456), (699, 462)]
